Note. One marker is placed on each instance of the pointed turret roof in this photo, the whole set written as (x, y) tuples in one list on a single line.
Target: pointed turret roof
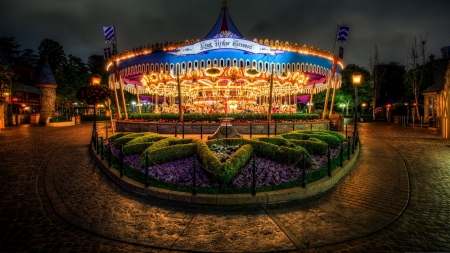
[(224, 27), (46, 76)]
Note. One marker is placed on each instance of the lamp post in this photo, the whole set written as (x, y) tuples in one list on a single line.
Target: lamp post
[(363, 107), (342, 106), (134, 104), (356, 78), (95, 80)]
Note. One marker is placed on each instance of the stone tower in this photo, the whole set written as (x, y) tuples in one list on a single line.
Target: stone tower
[(47, 83)]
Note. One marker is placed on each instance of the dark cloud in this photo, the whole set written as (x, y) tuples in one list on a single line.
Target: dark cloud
[(77, 25)]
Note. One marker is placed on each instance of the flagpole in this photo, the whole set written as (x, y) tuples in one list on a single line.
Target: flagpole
[(324, 114)]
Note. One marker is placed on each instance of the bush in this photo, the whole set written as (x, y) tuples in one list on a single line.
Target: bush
[(115, 137), (323, 132), (215, 117), (170, 153), (147, 138), (314, 146), (134, 149), (279, 141), (323, 135), (223, 172), (127, 138)]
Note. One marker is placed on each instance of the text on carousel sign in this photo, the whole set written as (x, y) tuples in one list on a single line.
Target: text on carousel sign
[(225, 43)]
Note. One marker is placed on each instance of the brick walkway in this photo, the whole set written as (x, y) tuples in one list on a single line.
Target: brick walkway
[(54, 198)]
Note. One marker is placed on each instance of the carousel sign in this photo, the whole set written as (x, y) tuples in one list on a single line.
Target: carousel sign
[(225, 43)]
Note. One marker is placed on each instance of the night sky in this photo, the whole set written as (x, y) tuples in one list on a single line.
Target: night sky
[(77, 25)]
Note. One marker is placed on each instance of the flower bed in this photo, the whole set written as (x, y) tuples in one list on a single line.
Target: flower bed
[(177, 174)]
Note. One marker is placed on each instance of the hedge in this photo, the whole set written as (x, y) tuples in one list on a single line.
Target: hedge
[(147, 138), (170, 153), (215, 117), (115, 137), (279, 141), (137, 148), (323, 132), (314, 146), (223, 172)]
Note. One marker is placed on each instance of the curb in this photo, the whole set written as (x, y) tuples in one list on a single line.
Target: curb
[(295, 193)]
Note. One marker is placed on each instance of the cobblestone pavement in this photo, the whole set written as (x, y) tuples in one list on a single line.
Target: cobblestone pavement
[(54, 198)]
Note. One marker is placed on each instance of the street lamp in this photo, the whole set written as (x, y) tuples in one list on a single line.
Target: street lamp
[(363, 107), (134, 104), (95, 80), (342, 106), (356, 78)]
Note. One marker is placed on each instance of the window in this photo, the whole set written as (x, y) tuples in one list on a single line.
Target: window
[(202, 64), (241, 63), (228, 62)]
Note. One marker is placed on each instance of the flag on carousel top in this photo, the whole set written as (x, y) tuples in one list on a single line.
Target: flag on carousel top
[(342, 34), (108, 32)]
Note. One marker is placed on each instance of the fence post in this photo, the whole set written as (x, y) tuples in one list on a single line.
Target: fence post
[(157, 127), (226, 130), (275, 131), (201, 130), (346, 135), (101, 146), (123, 128), (121, 160), (311, 127), (329, 160), (293, 126), (139, 127), (253, 177), (341, 155), (96, 142), (194, 180), (303, 171), (348, 147), (146, 169), (175, 129), (251, 131), (109, 154), (268, 129), (353, 144), (182, 130), (106, 131)]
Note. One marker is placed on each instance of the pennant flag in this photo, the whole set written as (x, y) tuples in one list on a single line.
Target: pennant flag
[(107, 53), (342, 34), (341, 53), (108, 32)]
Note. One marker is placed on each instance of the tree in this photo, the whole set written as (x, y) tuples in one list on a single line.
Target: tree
[(392, 88), (377, 72), (347, 91), (414, 75), (10, 49), (54, 53), (96, 65)]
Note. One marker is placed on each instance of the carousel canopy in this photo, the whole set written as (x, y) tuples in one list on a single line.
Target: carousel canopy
[(298, 68)]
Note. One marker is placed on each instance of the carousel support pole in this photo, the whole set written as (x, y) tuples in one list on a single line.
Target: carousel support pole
[(123, 98), (138, 99), (180, 103), (311, 98), (116, 97), (269, 110), (332, 97)]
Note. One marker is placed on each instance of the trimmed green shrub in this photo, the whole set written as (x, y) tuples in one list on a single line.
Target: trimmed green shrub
[(322, 132), (147, 138), (170, 153), (115, 137), (314, 146), (223, 172), (134, 149), (279, 141), (215, 117), (294, 136)]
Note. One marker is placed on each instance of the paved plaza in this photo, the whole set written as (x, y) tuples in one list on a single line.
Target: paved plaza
[(54, 198)]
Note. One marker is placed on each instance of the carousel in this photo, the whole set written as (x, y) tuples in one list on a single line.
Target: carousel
[(223, 73)]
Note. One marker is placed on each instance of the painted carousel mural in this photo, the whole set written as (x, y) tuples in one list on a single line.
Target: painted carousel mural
[(223, 73)]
